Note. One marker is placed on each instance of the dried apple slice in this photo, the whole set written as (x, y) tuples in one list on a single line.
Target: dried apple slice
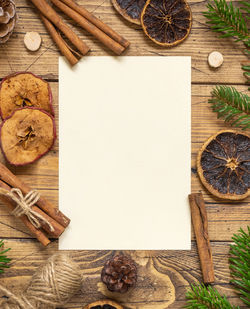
[(28, 134), (224, 164), (24, 89), (166, 22), (130, 9)]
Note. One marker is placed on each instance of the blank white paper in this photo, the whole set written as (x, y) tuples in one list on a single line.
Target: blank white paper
[(125, 148)]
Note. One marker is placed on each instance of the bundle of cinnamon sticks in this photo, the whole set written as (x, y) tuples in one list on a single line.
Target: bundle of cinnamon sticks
[(83, 18), (54, 218)]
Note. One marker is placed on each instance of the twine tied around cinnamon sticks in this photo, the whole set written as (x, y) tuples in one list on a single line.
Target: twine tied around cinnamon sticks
[(53, 285), (31, 207), (24, 206)]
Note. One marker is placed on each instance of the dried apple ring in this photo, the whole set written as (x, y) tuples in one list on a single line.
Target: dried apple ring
[(24, 89), (27, 135)]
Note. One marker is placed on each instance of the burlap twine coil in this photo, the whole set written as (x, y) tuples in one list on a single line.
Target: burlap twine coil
[(53, 285)]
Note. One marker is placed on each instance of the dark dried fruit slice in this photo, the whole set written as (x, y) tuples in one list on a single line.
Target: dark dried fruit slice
[(104, 304), (224, 164), (27, 135), (166, 22), (24, 89), (130, 9)]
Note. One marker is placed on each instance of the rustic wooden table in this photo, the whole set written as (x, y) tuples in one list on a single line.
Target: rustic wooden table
[(163, 276)]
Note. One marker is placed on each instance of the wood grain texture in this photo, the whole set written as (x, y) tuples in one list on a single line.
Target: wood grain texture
[(163, 276), (162, 281), (199, 44)]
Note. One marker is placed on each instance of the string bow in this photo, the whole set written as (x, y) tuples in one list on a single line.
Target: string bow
[(24, 207)]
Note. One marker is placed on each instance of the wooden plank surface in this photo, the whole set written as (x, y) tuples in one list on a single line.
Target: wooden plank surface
[(163, 276)]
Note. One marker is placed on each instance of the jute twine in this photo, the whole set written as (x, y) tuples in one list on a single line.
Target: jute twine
[(53, 285), (24, 206)]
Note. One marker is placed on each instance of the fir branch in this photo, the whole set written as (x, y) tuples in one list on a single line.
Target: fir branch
[(245, 65), (246, 73), (232, 106), (240, 264), (202, 297), (245, 8), (224, 17), (4, 261)]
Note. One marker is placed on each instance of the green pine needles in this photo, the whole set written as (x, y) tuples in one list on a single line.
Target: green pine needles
[(245, 8), (246, 73), (202, 297), (4, 261), (232, 106), (225, 18), (240, 264)]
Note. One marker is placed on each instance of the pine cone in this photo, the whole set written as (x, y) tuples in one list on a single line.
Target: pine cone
[(119, 274), (8, 19)]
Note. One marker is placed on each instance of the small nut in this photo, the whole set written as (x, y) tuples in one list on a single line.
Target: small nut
[(215, 59), (32, 41)]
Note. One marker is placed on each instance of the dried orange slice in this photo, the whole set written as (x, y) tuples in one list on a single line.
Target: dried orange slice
[(166, 22), (104, 304), (130, 9), (224, 164)]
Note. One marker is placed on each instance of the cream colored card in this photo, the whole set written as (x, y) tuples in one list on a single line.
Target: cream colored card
[(125, 147)]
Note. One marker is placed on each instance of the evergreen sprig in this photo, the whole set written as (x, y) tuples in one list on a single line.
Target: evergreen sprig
[(202, 297), (245, 8), (232, 106), (4, 261), (240, 264), (246, 73), (227, 19)]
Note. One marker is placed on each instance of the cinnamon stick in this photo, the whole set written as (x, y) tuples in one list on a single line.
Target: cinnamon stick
[(9, 178), (41, 237), (51, 15), (97, 22), (59, 41), (85, 24), (200, 224), (58, 229)]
